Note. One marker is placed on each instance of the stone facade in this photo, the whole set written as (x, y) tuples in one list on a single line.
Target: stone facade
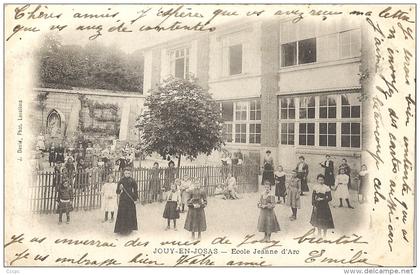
[(95, 113)]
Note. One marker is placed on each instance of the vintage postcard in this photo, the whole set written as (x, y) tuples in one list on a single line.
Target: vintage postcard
[(211, 135)]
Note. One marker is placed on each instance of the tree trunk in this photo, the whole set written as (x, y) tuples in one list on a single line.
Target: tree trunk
[(42, 121), (179, 164)]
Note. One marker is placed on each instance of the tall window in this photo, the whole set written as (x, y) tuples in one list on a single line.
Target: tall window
[(287, 108), (255, 133), (307, 107), (350, 134), (255, 110), (242, 121), (241, 110), (307, 134), (235, 59), (240, 133), (179, 61), (227, 111), (327, 107), (350, 43), (228, 131), (350, 106), (287, 125), (327, 134), (287, 133)]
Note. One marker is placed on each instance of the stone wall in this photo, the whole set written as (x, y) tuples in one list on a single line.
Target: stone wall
[(68, 105)]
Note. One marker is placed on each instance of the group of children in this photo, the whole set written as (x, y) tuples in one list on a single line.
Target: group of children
[(228, 189), (290, 193)]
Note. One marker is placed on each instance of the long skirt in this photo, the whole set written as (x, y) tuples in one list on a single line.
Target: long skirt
[(268, 176), (293, 198), (267, 222), (329, 179), (171, 211), (126, 217), (64, 207), (303, 181), (342, 191), (321, 216), (363, 188), (280, 189), (196, 220)]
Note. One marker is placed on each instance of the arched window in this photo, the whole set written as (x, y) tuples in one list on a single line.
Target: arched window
[(54, 120)]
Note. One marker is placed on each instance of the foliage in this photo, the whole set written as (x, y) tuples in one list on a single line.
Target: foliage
[(42, 100), (109, 129), (180, 119), (92, 66)]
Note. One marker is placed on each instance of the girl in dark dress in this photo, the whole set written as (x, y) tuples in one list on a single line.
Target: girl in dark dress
[(280, 180), (126, 215), (267, 222), (173, 203), (196, 217), (268, 165), (321, 217), (52, 154), (64, 199), (328, 166)]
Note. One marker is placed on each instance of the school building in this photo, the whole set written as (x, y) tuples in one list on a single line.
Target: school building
[(294, 89)]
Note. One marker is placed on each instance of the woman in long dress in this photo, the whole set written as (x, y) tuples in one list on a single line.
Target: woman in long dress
[(280, 180), (267, 221), (196, 217), (126, 215), (321, 217), (268, 166), (293, 195), (342, 191), (154, 183)]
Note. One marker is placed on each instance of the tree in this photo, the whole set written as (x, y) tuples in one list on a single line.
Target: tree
[(180, 119), (93, 66), (41, 104)]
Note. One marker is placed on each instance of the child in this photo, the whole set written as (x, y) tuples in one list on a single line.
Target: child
[(109, 197), (64, 199), (267, 222), (196, 217), (294, 190), (231, 188), (220, 189), (321, 217), (171, 211), (363, 183), (185, 185), (280, 180), (342, 190)]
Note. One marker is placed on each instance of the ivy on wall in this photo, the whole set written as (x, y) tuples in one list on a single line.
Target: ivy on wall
[(112, 120)]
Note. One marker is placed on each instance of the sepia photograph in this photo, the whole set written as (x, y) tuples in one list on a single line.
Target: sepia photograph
[(211, 135)]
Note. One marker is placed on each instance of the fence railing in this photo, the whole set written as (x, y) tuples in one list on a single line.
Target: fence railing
[(87, 185)]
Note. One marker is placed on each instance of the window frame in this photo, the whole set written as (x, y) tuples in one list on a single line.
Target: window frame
[(248, 120), (338, 120), (173, 58)]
